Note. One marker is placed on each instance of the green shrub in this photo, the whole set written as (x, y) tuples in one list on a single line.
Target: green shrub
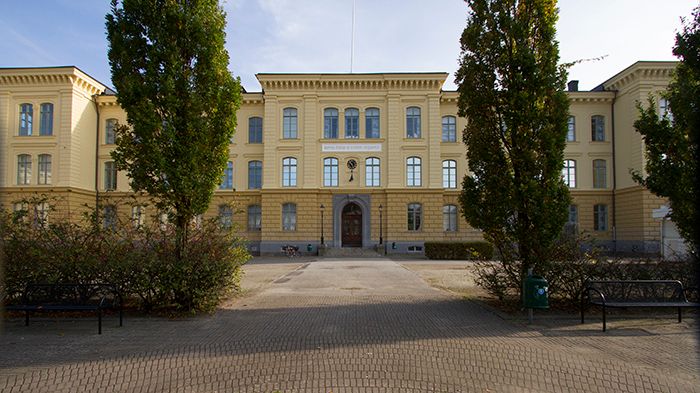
[(568, 268), (459, 250), (140, 262)]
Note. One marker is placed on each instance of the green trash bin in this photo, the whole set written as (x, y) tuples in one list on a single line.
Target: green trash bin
[(535, 292)]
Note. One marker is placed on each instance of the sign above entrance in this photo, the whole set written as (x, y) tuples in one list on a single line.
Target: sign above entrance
[(351, 147)]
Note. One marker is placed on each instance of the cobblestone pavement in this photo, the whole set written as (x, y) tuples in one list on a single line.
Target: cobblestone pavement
[(344, 326)]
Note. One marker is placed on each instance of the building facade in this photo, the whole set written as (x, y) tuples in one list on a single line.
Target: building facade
[(348, 158)]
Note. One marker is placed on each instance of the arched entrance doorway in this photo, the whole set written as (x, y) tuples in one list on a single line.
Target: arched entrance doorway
[(351, 228)]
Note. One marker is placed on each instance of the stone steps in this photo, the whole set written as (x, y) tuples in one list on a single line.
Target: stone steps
[(349, 252)]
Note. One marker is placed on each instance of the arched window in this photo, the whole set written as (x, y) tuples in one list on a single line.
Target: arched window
[(289, 217), (568, 173), (372, 171), (599, 174), (414, 216), (289, 172), (372, 123), (413, 172), (26, 119), (255, 130), (254, 175), (227, 178), (46, 125), (449, 218), (352, 123), (330, 172), (449, 129), (449, 174), (330, 123), (110, 134), (413, 122), (24, 169), (571, 129), (110, 179), (44, 168), (289, 123), (597, 128), (254, 218)]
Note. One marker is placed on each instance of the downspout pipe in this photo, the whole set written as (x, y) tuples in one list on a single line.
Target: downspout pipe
[(614, 173), (97, 158)]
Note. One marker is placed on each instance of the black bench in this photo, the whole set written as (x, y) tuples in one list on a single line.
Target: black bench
[(635, 293), (69, 297)]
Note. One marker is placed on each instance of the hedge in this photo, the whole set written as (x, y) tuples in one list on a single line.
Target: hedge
[(459, 250)]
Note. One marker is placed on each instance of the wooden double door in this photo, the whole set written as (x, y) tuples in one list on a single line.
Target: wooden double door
[(351, 224)]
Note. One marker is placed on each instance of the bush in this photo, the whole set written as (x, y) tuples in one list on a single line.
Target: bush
[(140, 262), (568, 268), (458, 250)]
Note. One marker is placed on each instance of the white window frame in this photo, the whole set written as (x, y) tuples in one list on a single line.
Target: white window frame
[(413, 171), (289, 172), (330, 172), (449, 174), (372, 172)]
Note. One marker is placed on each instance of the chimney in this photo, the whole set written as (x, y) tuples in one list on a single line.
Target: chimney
[(572, 86)]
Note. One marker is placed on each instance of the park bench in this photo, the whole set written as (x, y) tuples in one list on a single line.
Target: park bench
[(635, 293), (69, 297)]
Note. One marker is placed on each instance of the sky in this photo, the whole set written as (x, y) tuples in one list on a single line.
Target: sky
[(314, 36)]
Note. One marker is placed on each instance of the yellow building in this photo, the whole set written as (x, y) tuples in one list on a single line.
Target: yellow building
[(350, 158)]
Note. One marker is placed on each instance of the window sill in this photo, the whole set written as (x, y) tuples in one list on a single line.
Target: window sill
[(421, 139)]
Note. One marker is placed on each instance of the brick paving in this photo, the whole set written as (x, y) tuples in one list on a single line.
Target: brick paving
[(344, 326)]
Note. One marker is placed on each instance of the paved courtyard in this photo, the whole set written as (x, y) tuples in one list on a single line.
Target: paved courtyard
[(347, 326)]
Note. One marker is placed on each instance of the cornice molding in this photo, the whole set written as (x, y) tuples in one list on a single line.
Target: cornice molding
[(51, 76), (641, 71), (350, 82)]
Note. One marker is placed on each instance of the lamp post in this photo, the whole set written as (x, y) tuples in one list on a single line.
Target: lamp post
[(381, 239), (322, 207)]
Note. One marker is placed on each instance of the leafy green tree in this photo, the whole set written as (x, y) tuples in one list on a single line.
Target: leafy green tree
[(671, 140), (169, 67), (511, 90)]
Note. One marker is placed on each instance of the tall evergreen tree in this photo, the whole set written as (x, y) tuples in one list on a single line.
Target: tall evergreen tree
[(671, 140), (170, 69), (511, 90)]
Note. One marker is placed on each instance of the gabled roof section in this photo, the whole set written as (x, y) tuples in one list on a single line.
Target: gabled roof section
[(648, 70), (370, 81), (72, 75)]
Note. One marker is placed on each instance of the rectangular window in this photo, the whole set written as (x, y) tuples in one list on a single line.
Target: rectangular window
[(414, 216), (449, 129), (372, 172), (44, 169), (573, 214), (138, 216), (110, 133), (599, 174), (41, 214), (597, 128), (289, 123), (109, 217), (330, 123), (449, 218), (255, 175), (110, 179), (413, 122), (352, 123), (289, 172), (26, 119), (600, 217), (255, 130), (24, 169), (413, 172), (254, 218), (571, 129), (227, 178), (225, 216), (289, 217), (46, 126), (330, 172), (372, 123)]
